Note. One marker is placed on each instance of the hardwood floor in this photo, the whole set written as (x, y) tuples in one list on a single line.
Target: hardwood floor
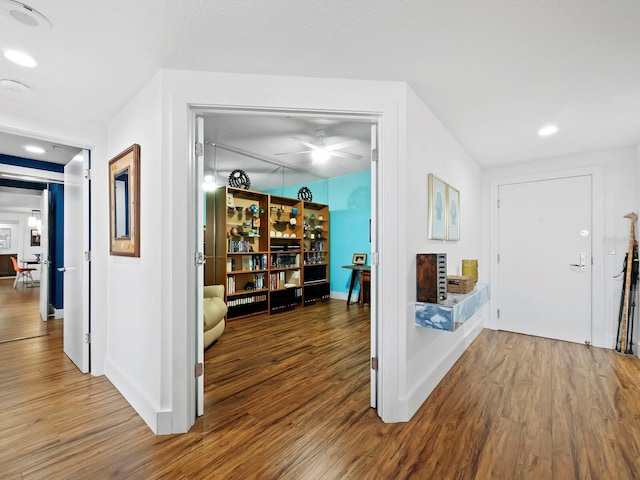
[(19, 314), (287, 398)]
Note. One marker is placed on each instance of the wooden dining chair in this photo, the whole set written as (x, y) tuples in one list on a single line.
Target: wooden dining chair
[(21, 272)]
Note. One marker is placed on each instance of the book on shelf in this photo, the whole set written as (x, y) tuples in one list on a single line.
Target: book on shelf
[(236, 302), (231, 285)]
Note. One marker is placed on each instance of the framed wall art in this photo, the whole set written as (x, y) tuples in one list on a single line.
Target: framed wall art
[(437, 208), (359, 258), (124, 202), (453, 213), (35, 238)]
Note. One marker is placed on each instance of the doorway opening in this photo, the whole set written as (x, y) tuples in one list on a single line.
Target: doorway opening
[(271, 152), (60, 246)]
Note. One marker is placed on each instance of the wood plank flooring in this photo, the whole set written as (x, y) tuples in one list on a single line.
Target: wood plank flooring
[(287, 398), (19, 314)]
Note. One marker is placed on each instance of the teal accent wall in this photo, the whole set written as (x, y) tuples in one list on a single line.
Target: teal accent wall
[(349, 200), (350, 212)]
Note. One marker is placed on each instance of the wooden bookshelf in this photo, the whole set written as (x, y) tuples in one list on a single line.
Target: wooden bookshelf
[(270, 252), (285, 247), (316, 252)]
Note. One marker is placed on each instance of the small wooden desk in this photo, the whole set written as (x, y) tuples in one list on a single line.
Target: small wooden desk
[(356, 270)]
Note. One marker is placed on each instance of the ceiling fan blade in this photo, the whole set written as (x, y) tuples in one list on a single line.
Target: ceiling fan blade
[(351, 156), (295, 153), (307, 144), (345, 144)]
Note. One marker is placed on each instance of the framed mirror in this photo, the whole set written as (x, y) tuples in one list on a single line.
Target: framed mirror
[(124, 201)]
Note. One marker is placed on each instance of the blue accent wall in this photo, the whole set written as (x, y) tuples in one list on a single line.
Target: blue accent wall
[(56, 244), (349, 200), (28, 163)]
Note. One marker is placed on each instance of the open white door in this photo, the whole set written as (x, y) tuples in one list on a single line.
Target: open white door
[(44, 256), (374, 263), (76, 261), (199, 248)]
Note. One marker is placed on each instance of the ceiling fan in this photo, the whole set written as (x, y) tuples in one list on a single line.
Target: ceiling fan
[(321, 152)]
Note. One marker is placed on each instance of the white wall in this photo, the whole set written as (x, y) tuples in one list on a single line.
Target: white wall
[(135, 361), (615, 197), (428, 354)]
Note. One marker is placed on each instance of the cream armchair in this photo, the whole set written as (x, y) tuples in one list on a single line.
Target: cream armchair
[(214, 309)]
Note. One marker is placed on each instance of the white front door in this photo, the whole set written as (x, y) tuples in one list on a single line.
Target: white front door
[(44, 255), (544, 263), (76, 267)]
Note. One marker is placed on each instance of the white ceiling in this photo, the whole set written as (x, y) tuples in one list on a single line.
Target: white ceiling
[(494, 71), (267, 147)]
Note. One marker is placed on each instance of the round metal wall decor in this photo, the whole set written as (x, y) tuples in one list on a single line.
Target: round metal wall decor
[(239, 179), (305, 194)]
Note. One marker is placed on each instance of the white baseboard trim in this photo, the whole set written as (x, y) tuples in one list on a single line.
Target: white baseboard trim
[(58, 313), (159, 421), (470, 330), (339, 295)]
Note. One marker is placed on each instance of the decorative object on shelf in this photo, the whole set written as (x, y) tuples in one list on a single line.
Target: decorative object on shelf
[(431, 277), (124, 201), (470, 269), (294, 211), (292, 221), (305, 194), (359, 258), (460, 284), (239, 179), (233, 231), (230, 200)]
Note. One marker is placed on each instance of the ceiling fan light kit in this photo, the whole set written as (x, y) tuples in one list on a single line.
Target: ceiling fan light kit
[(322, 152)]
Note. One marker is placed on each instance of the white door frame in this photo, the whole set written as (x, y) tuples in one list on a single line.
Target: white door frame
[(600, 334), (195, 192), (44, 255), (56, 139)]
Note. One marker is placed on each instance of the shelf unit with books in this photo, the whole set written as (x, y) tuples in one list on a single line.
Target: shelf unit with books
[(241, 250), (271, 252), (285, 253), (315, 252)]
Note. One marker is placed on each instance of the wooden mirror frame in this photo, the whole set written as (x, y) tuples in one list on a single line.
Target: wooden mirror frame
[(129, 245)]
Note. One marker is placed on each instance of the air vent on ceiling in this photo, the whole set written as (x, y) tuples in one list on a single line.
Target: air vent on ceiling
[(25, 15)]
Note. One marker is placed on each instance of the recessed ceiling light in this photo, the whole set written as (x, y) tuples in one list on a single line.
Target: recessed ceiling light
[(34, 149), (548, 130), (14, 86), (20, 58), (25, 15)]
